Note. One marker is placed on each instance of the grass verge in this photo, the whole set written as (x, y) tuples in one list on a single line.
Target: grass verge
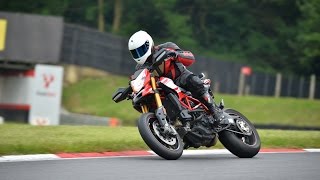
[(26, 139)]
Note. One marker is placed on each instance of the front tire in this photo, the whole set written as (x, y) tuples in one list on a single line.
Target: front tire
[(167, 147), (243, 146)]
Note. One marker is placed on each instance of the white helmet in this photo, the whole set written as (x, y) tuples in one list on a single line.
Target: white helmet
[(140, 46)]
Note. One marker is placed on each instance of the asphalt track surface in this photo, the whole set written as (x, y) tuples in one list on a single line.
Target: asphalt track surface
[(284, 166)]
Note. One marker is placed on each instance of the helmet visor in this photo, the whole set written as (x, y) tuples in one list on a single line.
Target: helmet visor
[(140, 51)]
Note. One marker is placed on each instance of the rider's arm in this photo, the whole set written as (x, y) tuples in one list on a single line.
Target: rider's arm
[(141, 66), (185, 57)]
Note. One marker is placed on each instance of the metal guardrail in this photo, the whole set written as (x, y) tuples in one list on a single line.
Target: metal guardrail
[(68, 118)]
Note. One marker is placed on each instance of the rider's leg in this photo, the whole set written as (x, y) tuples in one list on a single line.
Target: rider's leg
[(196, 87), (216, 112)]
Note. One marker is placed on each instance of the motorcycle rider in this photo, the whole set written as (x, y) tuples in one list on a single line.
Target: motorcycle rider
[(142, 49)]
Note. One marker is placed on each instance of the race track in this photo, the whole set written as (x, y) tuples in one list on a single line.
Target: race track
[(283, 166)]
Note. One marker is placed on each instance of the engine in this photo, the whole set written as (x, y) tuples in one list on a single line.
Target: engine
[(201, 133)]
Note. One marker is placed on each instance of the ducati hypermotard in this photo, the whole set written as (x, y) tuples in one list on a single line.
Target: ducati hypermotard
[(173, 120)]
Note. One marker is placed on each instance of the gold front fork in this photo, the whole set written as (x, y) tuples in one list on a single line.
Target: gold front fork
[(161, 113), (156, 93), (144, 109)]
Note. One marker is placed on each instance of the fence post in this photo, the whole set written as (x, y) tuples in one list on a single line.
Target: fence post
[(241, 84), (278, 85), (312, 86)]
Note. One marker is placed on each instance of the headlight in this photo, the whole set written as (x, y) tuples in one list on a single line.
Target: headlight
[(138, 83)]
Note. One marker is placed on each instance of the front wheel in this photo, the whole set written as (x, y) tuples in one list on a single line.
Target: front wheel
[(241, 138), (167, 146)]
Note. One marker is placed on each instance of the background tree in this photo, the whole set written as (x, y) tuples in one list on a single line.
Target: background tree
[(270, 35), (307, 44), (117, 16)]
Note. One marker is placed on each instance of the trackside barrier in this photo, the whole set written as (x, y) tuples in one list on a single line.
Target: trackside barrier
[(68, 118), (113, 122)]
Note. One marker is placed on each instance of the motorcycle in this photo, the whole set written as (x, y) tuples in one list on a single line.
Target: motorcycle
[(173, 120)]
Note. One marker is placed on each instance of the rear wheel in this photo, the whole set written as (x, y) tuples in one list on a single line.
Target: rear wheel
[(242, 138), (167, 146)]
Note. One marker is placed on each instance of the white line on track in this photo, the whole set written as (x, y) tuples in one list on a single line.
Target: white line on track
[(33, 157), (42, 157), (312, 150)]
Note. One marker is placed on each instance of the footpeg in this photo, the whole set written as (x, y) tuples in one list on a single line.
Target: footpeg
[(221, 104), (182, 131)]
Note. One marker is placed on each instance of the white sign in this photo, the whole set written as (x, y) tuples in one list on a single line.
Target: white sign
[(46, 95)]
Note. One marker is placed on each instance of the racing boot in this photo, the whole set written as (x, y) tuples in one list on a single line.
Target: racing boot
[(213, 108)]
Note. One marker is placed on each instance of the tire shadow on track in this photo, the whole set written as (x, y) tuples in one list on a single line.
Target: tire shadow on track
[(223, 157)]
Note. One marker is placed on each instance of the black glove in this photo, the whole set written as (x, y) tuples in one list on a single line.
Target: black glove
[(162, 55), (171, 53)]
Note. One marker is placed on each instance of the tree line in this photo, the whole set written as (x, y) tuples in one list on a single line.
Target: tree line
[(269, 35)]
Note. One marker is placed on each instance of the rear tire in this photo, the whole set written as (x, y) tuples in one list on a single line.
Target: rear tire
[(170, 148), (243, 146)]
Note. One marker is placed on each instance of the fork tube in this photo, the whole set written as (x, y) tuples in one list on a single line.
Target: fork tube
[(156, 93), (161, 111), (144, 109)]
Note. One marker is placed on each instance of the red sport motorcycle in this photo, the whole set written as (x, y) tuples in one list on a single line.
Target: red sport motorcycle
[(172, 120)]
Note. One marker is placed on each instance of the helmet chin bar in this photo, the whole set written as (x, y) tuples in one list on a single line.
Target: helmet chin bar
[(143, 59)]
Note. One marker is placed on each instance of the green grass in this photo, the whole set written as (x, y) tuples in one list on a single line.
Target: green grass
[(27, 139), (289, 139), (93, 96), (270, 110)]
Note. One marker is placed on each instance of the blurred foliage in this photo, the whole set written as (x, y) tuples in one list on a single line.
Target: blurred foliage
[(273, 35)]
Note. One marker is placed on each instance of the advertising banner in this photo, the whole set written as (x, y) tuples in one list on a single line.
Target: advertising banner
[(3, 30), (46, 95)]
